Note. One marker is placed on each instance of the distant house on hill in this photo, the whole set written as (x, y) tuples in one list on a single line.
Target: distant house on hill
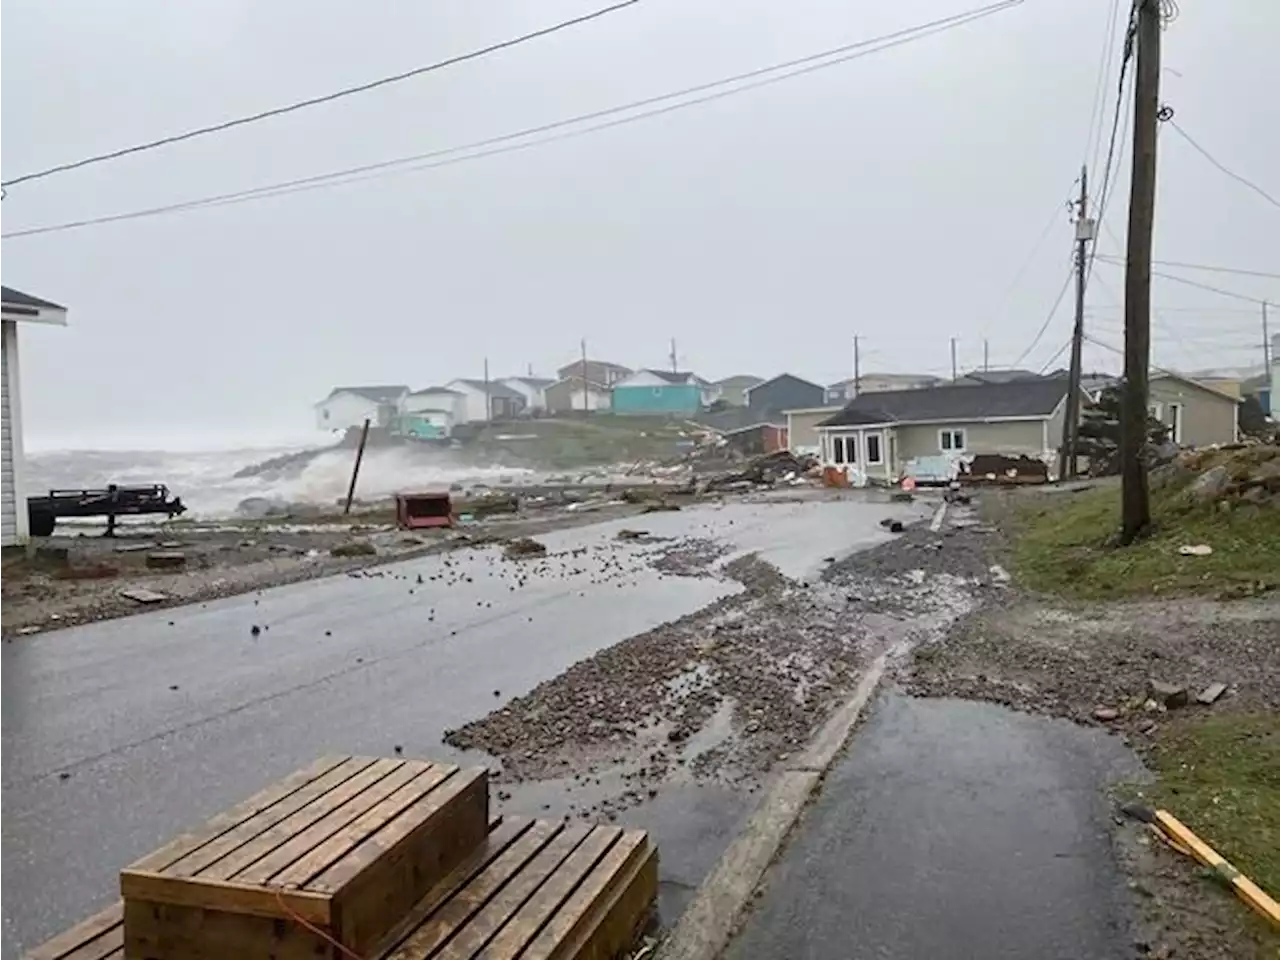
[(487, 399), (783, 392), (533, 389), (732, 390), (573, 394), (596, 371), (997, 376), (844, 390), (662, 392), (350, 406), (431, 413)]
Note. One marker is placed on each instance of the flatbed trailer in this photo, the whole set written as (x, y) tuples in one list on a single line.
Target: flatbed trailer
[(111, 502)]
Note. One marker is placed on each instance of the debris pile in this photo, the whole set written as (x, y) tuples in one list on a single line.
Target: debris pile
[(1226, 478), (524, 547)]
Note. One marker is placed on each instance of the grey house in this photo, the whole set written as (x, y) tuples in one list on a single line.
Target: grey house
[(784, 392), (877, 437)]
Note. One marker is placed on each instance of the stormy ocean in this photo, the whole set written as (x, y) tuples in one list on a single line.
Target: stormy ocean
[(207, 481)]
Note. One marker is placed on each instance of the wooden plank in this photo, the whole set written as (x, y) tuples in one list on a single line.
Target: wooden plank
[(346, 840), (244, 832), (165, 931), (187, 842), (502, 836), (292, 825), (420, 852), (224, 895), (466, 902), (1248, 891), (473, 937), (82, 933), (547, 900), (107, 946), (608, 911), (262, 870), (463, 782)]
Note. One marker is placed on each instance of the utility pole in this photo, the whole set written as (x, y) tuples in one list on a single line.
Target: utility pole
[(857, 369), (675, 367), (953, 360), (1266, 343), (1135, 497), (488, 400), (986, 355), (1071, 423), (585, 405)]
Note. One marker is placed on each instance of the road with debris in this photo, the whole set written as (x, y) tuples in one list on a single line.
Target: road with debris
[(117, 735)]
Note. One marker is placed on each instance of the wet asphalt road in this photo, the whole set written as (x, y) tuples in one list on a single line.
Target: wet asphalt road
[(952, 829), (117, 735)]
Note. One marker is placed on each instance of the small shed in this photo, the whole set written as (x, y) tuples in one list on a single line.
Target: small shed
[(17, 307)]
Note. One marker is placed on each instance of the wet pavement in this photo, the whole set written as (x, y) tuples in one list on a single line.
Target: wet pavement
[(117, 735), (952, 829)]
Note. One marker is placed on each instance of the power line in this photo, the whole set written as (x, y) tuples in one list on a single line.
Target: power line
[(1126, 55), (1200, 266), (1230, 173), (1115, 262), (1047, 320), (1097, 112), (501, 144), (1054, 358), (314, 101)]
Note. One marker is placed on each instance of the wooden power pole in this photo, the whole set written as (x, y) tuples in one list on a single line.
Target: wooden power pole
[(586, 405), (1135, 496), (1071, 422), (858, 369), (954, 372)]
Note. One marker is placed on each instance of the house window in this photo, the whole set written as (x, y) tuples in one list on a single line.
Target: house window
[(951, 441), (837, 450), (874, 454), (1156, 411), (1175, 425)]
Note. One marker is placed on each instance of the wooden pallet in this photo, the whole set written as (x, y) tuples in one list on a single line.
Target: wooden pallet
[(527, 890), (344, 847)]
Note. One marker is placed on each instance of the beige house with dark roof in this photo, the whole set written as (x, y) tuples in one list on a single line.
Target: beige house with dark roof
[(880, 437)]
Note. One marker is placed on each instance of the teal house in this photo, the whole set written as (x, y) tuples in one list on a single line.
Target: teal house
[(661, 392)]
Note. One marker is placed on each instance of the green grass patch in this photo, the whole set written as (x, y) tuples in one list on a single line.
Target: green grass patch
[(1221, 777), (1065, 543)]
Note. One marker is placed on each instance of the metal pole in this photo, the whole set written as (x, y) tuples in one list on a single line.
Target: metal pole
[(488, 400), (355, 470), (1070, 424), (1135, 496), (857, 369), (953, 360)]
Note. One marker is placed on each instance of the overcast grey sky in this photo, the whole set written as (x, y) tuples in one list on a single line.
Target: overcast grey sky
[(895, 196)]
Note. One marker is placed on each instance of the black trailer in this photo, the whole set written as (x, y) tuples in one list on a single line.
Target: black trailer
[(110, 502)]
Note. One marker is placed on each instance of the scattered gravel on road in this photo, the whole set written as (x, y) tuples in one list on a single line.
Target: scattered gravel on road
[(726, 692)]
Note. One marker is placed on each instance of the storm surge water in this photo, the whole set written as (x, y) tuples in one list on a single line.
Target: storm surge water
[(207, 481)]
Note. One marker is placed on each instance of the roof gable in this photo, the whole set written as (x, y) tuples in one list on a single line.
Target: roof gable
[(1022, 399), (377, 394), (494, 388), (784, 378)]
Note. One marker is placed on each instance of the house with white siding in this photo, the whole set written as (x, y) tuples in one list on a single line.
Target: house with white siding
[(487, 400), (350, 406), (17, 307), (533, 389)]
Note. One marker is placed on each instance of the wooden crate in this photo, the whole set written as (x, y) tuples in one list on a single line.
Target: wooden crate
[(536, 890), (346, 846)]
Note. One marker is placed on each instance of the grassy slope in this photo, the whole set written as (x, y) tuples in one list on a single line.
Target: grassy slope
[(1063, 546), (1218, 772)]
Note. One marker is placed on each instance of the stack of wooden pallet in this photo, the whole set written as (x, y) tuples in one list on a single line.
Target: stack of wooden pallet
[(357, 858)]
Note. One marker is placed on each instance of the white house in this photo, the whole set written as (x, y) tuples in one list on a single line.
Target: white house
[(350, 406), (533, 389), (17, 307), (437, 400), (487, 400)]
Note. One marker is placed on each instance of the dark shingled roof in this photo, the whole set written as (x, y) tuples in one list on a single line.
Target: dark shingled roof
[(494, 388), (990, 401), (20, 299)]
